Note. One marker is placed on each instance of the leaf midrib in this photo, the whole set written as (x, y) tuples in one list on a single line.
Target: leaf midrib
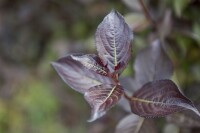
[(148, 101), (114, 41), (96, 67), (111, 92)]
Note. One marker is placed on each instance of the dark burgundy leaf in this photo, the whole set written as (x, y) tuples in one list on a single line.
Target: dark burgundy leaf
[(92, 62), (159, 98), (113, 41), (152, 63), (101, 98), (77, 76), (135, 124)]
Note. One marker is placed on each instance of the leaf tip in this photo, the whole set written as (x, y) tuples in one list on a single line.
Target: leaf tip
[(54, 64), (95, 115), (115, 13), (196, 111)]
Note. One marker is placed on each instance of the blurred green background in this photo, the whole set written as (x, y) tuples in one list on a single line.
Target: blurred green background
[(33, 99)]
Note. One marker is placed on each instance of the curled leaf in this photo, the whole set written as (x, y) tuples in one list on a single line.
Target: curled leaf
[(77, 76), (113, 41), (159, 98), (101, 98), (92, 62), (152, 63)]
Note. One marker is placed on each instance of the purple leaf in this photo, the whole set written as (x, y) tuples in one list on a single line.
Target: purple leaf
[(159, 98), (113, 41), (92, 62), (101, 98), (135, 124), (152, 63), (77, 76)]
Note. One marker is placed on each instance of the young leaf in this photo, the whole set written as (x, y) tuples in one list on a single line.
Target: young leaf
[(92, 62), (101, 98), (113, 41), (77, 76), (135, 124), (159, 98), (152, 63)]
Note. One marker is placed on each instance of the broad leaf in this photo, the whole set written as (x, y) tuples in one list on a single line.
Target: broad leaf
[(159, 98), (135, 124), (77, 76), (92, 62), (113, 41), (152, 63), (101, 98)]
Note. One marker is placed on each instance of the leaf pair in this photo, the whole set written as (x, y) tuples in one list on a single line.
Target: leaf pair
[(153, 94), (97, 76), (157, 96), (113, 41)]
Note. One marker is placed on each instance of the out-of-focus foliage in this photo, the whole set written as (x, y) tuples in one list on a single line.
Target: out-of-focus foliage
[(33, 33)]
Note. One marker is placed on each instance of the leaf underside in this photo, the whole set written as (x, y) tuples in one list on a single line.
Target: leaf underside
[(113, 41), (101, 98), (77, 76), (159, 98)]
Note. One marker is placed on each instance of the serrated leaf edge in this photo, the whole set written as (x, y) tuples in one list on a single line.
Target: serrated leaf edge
[(88, 65)]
